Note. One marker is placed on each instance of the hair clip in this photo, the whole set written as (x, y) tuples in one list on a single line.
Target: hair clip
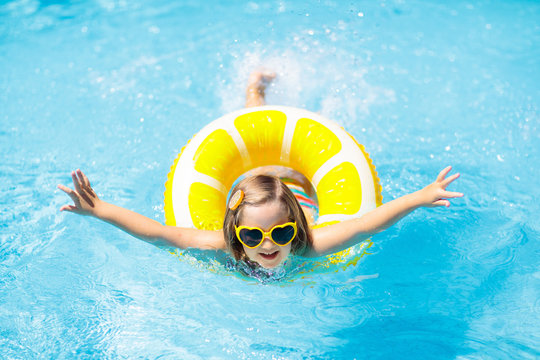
[(236, 199)]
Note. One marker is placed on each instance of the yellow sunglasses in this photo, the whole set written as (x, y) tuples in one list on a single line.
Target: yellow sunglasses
[(252, 237)]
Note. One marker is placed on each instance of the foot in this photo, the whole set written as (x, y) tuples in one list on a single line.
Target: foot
[(257, 83)]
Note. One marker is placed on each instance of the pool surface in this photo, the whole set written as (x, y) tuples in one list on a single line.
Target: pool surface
[(116, 88)]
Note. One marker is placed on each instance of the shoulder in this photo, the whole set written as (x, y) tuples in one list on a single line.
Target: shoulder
[(210, 240), (336, 237), (214, 240)]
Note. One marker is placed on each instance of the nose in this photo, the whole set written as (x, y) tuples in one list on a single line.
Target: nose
[(267, 243)]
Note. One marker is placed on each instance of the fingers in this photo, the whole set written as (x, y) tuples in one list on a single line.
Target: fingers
[(76, 182), (452, 194), (442, 202), (80, 181), (64, 188), (443, 173), (83, 195), (86, 183), (72, 194), (70, 208), (445, 195), (443, 183), (82, 185), (84, 180), (448, 181)]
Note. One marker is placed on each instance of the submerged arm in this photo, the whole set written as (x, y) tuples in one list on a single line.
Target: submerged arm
[(86, 202), (340, 236)]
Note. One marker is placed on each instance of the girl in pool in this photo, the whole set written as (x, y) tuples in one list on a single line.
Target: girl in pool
[(268, 215)]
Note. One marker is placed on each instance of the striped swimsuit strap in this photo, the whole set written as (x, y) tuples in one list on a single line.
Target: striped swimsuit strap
[(300, 194)]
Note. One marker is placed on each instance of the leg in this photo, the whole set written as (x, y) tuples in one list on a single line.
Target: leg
[(258, 80)]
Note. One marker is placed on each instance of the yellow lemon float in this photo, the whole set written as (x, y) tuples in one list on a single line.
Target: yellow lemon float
[(337, 166)]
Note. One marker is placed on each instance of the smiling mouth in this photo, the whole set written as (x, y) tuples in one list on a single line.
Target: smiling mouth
[(270, 256)]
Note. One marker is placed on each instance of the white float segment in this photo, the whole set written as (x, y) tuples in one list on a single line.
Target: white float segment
[(290, 126), (238, 141)]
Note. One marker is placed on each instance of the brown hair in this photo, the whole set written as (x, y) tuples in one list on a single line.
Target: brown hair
[(259, 190)]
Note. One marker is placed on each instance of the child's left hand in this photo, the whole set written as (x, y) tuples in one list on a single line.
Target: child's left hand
[(435, 194)]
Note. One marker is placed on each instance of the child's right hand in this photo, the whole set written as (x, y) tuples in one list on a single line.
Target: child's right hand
[(85, 200)]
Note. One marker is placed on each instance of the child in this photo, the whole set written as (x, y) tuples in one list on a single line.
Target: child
[(264, 220)]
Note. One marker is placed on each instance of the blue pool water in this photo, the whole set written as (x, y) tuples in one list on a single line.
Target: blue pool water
[(117, 88)]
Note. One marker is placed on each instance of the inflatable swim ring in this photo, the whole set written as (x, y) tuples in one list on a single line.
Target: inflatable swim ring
[(338, 167)]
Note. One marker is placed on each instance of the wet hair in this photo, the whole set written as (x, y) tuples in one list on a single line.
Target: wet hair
[(259, 190)]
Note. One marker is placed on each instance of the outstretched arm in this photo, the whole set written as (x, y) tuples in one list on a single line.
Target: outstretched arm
[(86, 202), (340, 236)]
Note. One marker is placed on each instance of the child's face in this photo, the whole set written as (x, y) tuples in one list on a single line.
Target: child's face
[(268, 254)]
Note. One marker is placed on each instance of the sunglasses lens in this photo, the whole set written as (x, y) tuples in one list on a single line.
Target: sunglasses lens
[(251, 237), (282, 235)]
